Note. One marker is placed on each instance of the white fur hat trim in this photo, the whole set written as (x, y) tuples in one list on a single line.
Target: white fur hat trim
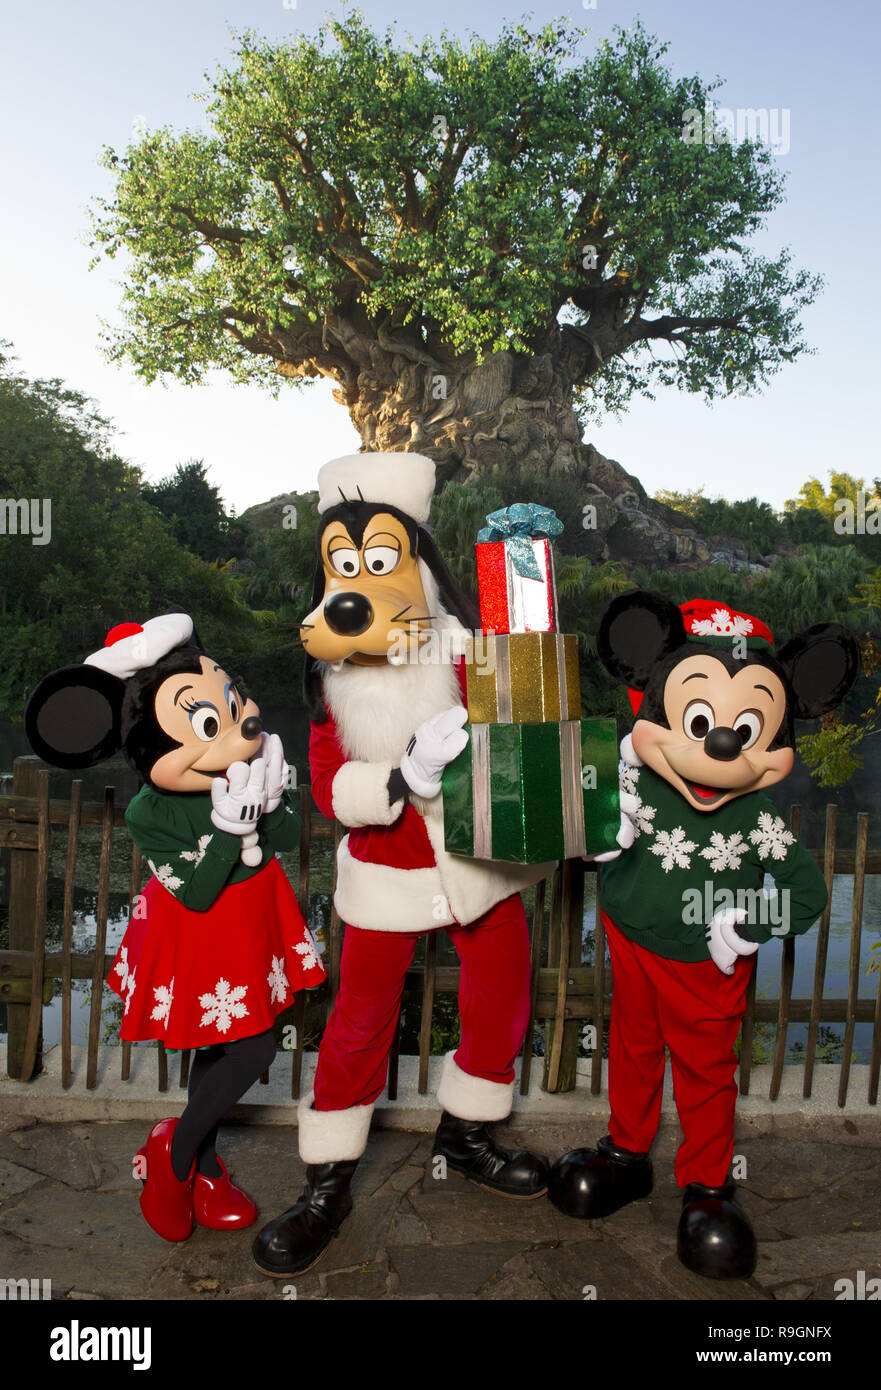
[(401, 480), (156, 639)]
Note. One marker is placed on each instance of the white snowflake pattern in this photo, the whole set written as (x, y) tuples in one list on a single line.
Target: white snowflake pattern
[(628, 777), (674, 849), (166, 876), (223, 1005), (198, 854), (129, 990), (771, 838), (721, 623), (643, 819), (725, 854), (277, 981), (309, 951), (164, 995), (121, 968)]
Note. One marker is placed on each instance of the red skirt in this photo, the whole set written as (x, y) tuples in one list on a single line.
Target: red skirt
[(191, 979)]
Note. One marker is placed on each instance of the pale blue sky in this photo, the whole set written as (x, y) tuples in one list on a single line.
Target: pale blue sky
[(76, 77)]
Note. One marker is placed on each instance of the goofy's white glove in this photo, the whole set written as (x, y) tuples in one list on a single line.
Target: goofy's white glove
[(723, 940), (237, 805), (628, 804), (277, 771), (436, 742)]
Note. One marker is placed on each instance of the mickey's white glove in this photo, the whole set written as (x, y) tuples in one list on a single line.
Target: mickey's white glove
[(724, 943), (628, 804), (436, 742), (277, 771), (237, 799)]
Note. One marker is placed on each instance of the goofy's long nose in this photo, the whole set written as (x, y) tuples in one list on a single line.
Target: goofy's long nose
[(348, 614), (723, 744), (252, 727)]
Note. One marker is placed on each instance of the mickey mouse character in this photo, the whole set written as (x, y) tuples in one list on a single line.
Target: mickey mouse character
[(217, 945), (386, 689), (683, 908)]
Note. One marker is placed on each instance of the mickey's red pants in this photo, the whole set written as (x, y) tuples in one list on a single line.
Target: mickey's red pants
[(494, 985), (696, 1011)]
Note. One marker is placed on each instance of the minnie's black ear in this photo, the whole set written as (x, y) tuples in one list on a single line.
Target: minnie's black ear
[(822, 663), (635, 632), (194, 640), (72, 719)]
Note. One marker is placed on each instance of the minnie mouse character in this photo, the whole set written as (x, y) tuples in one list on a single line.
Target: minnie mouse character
[(683, 909), (217, 945)]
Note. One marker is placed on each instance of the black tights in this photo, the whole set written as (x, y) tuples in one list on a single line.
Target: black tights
[(219, 1076)]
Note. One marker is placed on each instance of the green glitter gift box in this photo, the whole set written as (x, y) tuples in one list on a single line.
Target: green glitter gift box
[(527, 793)]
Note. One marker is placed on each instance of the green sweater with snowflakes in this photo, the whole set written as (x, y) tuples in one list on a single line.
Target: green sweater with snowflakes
[(188, 854), (685, 865)]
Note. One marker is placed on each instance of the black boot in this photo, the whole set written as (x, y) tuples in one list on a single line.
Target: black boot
[(715, 1237), (470, 1149), (296, 1240), (592, 1183)]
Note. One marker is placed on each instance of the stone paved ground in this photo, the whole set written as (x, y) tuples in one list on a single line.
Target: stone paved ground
[(69, 1212)]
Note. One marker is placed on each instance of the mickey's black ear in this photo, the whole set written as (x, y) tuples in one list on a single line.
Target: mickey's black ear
[(822, 663), (635, 632), (72, 718)]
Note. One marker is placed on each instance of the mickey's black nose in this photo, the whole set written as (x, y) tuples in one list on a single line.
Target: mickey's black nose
[(252, 727), (723, 744), (348, 614)]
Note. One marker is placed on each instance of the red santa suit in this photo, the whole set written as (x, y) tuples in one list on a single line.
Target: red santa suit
[(395, 882)]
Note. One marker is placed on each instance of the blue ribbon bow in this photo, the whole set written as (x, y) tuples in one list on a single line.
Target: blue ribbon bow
[(518, 526)]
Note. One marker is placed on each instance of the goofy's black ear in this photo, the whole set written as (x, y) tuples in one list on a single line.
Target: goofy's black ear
[(635, 632), (73, 717), (822, 663)]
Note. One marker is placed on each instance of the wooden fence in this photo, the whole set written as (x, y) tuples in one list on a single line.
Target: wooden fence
[(564, 992)]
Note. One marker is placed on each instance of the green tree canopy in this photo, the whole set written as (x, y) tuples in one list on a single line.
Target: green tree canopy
[(194, 508), (455, 235)]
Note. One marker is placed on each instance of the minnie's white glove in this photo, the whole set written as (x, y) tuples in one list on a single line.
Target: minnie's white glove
[(724, 942), (237, 799), (628, 805), (277, 771), (436, 742)]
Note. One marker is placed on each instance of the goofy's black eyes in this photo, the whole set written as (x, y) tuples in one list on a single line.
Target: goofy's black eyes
[(345, 561), (205, 721), (381, 559), (748, 726), (698, 720)]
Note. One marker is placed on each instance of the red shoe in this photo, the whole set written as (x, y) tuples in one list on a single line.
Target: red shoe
[(167, 1203), (219, 1204)]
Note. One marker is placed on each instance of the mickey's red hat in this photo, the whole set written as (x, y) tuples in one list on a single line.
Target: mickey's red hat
[(716, 624)]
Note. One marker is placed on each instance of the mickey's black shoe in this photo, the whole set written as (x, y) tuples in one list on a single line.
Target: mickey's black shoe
[(715, 1237), (592, 1183), (296, 1240), (470, 1149)]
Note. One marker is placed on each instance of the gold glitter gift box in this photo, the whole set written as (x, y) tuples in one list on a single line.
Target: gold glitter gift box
[(523, 678)]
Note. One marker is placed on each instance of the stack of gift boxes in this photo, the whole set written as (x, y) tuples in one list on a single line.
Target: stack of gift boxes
[(536, 782)]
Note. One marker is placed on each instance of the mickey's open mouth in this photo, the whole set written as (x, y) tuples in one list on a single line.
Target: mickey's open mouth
[(707, 795)]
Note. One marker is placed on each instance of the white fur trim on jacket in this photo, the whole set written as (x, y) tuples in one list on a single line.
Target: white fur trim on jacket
[(472, 1097), (360, 795), (378, 897), (332, 1136)]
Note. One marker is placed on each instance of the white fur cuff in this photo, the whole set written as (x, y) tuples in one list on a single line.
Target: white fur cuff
[(332, 1136), (472, 1097), (360, 795)]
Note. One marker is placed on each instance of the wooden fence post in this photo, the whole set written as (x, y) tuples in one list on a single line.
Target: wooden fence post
[(22, 906)]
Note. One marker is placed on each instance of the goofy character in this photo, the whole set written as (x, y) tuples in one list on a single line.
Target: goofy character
[(683, 909), (385, 691)]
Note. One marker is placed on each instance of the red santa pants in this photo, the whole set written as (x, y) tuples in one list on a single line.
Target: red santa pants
[(696, 1011), (494, 987)]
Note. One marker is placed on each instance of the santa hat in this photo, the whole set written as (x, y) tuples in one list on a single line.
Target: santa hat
[(715, 624), (130, 647), (402, 480)]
